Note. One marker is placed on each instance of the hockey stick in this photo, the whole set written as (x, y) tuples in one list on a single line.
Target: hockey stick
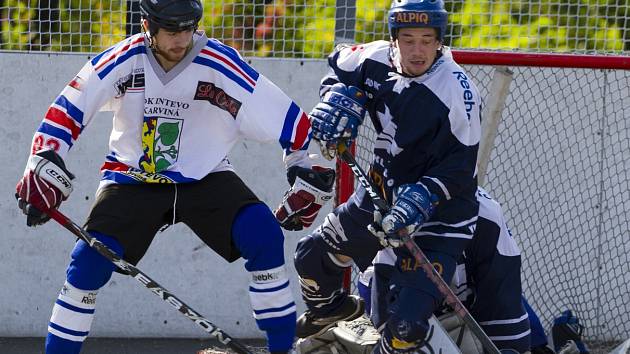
[(156, 288), (450, 297)]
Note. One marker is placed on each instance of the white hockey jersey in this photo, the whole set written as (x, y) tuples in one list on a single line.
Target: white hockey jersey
[(175, 126)]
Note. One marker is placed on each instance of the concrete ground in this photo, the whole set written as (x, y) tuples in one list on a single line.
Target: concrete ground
[(127, 346)]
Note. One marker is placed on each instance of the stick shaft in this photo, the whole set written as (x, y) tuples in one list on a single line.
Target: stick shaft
[(149, 283)]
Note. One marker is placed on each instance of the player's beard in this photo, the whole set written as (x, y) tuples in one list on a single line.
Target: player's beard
[(173, 55)]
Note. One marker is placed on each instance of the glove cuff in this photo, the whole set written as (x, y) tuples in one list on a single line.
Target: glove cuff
[(50, 167), (320, 177)]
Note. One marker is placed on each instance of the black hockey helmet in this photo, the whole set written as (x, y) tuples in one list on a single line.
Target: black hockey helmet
[(171, 15)]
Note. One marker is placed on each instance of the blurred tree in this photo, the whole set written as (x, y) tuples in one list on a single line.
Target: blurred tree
[(3, 19), (133, 17), (537, 24), (45, 23), (305, 28)]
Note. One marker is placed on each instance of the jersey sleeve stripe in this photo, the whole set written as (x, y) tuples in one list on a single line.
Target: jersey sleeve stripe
[(231, 65), (62, 119), (233, 56), (73, 111), (293, 136), (97, 58), (301, 133), (121, 59), (58, 133), (436, 182), (101, 63), (225, 71)]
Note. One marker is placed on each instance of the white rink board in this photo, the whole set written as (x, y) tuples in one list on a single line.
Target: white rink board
[(34, 259)]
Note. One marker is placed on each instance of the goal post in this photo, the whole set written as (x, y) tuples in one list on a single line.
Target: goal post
[(556, 155)]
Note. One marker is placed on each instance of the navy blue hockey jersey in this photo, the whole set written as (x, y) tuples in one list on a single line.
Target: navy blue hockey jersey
[(428, 130)]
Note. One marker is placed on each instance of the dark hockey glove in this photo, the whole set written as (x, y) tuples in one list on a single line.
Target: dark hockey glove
[(413, 206), (310, 190), (338, 116), (45, 184)]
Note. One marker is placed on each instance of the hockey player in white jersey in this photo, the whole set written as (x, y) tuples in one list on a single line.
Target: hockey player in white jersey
[(426, 113), (181, 101)]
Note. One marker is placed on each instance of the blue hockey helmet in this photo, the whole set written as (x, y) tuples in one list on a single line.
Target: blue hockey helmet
[(172, 15), (417, 13)]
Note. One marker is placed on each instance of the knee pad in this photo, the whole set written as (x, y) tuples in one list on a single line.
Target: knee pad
[(313, 261), (258, 237), (320, 273), (409, 313), (89, 270)]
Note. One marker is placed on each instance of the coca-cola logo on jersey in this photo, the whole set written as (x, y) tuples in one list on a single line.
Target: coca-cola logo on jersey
[(207, 91)]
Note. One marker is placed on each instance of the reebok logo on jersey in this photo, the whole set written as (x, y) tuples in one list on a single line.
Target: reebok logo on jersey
[(207, 91), (469, 101)]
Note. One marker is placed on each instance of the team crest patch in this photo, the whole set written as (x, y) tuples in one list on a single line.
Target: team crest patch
[(133, 82), (160, 143), (207, 91)]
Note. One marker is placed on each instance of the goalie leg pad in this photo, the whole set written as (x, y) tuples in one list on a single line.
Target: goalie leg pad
[(260, 241), (88, 269), (320, 274), (409, 313)]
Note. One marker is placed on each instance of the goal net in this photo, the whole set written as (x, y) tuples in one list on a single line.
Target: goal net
[(555, 153)]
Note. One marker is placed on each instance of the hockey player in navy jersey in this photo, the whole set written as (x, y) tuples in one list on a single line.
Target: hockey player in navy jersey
[(426, 112), (181, 101), (487, 280)]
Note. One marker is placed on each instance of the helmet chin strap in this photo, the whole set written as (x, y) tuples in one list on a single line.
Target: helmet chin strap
[(148, 36), (394, 56)]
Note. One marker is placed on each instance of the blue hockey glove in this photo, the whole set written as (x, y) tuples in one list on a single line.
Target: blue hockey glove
[(413, 206), (337, 116)]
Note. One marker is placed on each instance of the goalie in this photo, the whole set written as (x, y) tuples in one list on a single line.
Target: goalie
[(487, 280)]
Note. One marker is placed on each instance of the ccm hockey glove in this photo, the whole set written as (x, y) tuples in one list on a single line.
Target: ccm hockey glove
[(337, 116), (310, 190), (413, 206), (45, 184)]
